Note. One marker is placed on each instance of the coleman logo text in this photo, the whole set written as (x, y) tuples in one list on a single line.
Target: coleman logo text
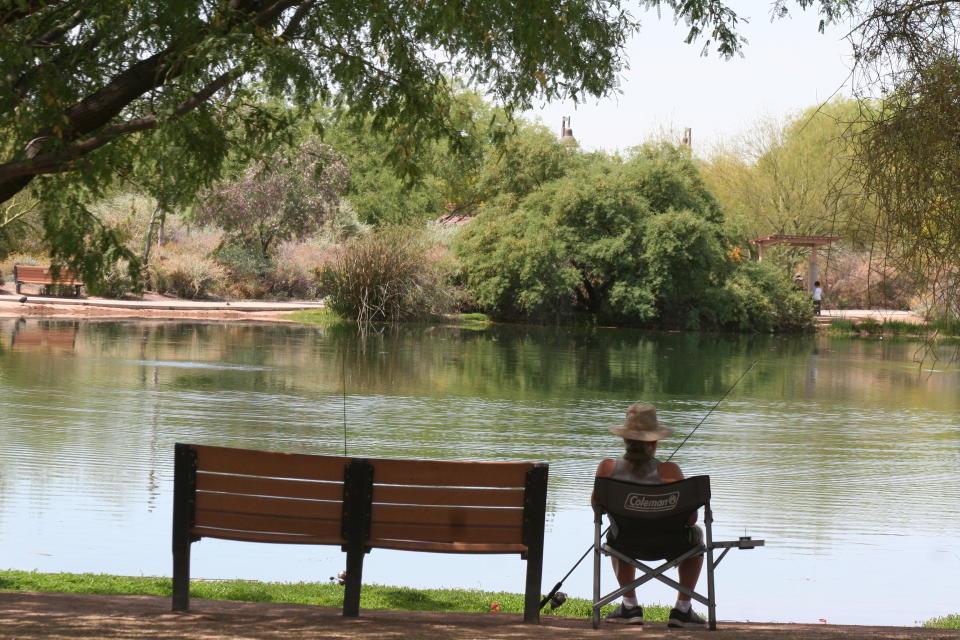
[(642, 502)]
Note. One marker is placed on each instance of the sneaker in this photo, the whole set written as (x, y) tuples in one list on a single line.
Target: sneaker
[(626, 615), (680, 619)]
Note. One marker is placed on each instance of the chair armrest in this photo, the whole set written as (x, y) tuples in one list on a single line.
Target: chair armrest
[(745, 542)]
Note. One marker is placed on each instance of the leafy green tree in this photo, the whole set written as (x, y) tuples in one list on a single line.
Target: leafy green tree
[(281, 197), (593, 241), (794, 177), (498, 155), (89, 93)]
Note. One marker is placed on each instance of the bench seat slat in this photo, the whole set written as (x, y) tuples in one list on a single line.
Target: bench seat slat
[(448, 496), (451, 474), (448, 547), (453, 516), (270, 463), (444, 533), (253, 485), (258, 536), (258, 505), (268, 524)]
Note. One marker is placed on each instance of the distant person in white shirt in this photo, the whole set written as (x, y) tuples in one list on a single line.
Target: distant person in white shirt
[(817, 297)]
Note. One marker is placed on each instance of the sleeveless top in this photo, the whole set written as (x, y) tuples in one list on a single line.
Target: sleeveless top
[(647, 474)]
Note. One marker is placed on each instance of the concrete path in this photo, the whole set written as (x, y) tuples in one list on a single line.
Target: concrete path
[(162, 303)]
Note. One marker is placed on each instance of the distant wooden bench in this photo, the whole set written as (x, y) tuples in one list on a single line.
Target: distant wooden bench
[(359, 504), (25, 274)]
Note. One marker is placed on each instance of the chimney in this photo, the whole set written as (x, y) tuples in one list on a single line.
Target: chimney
[(566, 133)]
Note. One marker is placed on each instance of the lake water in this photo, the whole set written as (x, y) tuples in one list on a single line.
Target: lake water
[(842, 454)]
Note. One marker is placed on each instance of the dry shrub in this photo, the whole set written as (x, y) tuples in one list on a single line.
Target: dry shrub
[(388, 275), (294, 270), (182, 271), (857, 282), (6, 266)]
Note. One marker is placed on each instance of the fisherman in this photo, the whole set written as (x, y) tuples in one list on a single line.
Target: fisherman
[(640, 432)]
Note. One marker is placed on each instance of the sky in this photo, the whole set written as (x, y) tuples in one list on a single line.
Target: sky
[(787, 66)]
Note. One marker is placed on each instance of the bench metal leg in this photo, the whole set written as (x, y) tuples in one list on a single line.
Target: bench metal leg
[(184, 501), (351, 593), (534, 519), (181, 579)]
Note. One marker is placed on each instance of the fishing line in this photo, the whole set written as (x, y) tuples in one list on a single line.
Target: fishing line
[(343, 385), (557, 597), (712, 408)]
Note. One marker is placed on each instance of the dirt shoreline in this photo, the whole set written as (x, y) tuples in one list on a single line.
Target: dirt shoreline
[(53, 616)]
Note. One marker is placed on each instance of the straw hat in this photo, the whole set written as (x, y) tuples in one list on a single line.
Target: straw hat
[(641, 424)]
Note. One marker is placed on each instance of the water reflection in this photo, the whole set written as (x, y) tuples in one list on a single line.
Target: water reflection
[(818, 450)]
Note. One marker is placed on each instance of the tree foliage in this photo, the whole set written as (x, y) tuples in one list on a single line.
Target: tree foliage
[(794, 177), (92, 93), (88, 92), (277, 198), (637, 241), (907, 149)]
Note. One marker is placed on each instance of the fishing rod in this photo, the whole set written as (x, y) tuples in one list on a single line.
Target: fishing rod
[(557, 597)]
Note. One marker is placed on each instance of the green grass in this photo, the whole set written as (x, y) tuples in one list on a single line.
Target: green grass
[(946, 622), (892, 328), (372, 596), (327, 318), (322, 317), (472, 318)]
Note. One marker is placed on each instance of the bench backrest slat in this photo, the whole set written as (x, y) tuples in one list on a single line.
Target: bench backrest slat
[(446, 496), (259, 505), (449, 516), (270, 464), (256, 486), (507, 536), (440, 473), (238, 523)]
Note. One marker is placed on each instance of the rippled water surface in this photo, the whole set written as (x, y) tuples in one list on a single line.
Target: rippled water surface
[(842, 454)]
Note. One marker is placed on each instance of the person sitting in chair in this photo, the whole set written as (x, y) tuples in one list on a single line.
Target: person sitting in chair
[(640, 433)]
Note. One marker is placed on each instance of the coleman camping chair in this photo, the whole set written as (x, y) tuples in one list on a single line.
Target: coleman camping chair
[(649, 520)]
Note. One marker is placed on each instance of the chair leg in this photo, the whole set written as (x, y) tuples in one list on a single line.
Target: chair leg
[(596, 576), (711, 593)]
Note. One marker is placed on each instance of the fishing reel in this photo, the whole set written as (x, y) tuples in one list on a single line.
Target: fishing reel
[(557, 599)]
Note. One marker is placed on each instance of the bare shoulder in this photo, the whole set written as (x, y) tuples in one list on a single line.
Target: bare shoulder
[(670, 472), (605, 468)]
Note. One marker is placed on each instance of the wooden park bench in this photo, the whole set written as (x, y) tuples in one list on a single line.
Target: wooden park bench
[(26, 274), (359, 504)]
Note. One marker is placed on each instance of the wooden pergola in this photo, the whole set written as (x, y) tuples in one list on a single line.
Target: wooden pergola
[(812, 242)]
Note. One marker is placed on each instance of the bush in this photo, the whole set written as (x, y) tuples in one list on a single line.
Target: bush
[(294, 272), (117, 282), (635, 242), (387, 275), (185, 274)]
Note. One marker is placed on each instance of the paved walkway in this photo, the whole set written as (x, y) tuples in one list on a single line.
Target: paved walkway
[(859, 315), (35, 616), (151, 307), (161, 303)]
